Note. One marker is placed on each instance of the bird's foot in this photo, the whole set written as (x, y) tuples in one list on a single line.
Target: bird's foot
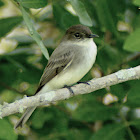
[(70, 89)]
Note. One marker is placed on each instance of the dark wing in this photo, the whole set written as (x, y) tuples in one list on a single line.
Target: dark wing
[(55, 65)]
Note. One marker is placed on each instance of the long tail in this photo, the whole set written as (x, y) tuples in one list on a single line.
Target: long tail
[(25, 117), (30, 110)]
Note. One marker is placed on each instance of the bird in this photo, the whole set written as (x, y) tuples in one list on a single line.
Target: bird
[(69, 62)]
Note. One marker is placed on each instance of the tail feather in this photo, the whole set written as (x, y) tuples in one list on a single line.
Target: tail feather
[(30, 110), (25, 117)]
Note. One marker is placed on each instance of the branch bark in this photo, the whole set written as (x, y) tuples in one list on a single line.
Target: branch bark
[(62, 94)]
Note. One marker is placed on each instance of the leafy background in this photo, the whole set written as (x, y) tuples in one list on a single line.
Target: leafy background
[(112, 113)]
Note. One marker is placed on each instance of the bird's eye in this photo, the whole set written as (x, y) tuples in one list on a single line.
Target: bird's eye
[(77, 35)]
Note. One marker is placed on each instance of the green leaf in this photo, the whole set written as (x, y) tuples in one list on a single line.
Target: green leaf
[(50, 121), (135, 122), (110, 132), (108, 58), (93, 110), (7, 24), (34, 34), (34, 3), (105, 16), (1, 3), (133, 98), (20, 69), (63, 18), (6, 131), (120, 90), (79, 8), (136, 2), (75, 134), (36, 118), (132, 43), (7, 76)]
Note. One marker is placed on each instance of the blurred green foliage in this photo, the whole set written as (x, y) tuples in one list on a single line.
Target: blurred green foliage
[(89, 116), (11, 22)]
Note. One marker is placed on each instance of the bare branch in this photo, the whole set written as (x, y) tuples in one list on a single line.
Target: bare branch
[(62, 94)]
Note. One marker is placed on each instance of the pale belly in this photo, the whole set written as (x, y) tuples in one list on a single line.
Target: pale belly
[(68, 77)]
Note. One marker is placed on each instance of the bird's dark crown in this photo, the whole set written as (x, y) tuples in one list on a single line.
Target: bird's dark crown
[(78, 32), (79, 28)]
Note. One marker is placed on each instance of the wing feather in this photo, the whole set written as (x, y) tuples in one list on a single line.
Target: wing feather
[(55, 66)]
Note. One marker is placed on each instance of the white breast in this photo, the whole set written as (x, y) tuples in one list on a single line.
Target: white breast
[(90, 50), (88, 55)]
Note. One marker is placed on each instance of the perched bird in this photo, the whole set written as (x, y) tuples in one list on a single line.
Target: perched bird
[(69, 62)]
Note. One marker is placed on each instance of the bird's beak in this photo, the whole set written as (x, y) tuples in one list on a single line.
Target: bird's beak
[(93, 36)]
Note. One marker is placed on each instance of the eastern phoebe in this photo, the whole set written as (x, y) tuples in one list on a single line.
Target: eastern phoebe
[(69, 62)]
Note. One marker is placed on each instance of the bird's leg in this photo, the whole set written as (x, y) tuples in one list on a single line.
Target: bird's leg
[(69, 88)]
